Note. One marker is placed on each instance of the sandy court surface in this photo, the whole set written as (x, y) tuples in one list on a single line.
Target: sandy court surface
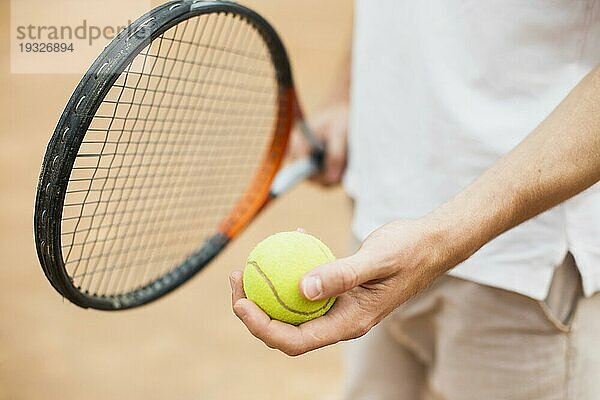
[(189, 345)]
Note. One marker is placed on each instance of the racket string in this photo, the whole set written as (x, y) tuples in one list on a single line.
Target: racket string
[(166, 211), (111, 190), (169, 152), (111, 253)]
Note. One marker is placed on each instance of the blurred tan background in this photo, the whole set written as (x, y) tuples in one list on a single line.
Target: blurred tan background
[(188, 345)]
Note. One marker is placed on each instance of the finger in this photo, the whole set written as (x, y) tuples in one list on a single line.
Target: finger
[(344, 321), (237, 287), (298, 147), (337, 277), (335, 160), (273, 333), (295, 340), (301, 230)]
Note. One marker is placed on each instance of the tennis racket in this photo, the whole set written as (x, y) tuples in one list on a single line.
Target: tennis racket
[(168, 148)]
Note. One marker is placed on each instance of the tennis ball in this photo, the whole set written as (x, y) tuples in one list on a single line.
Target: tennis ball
[(273, 271)]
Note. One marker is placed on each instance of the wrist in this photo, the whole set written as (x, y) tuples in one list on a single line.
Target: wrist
[(452, 239)]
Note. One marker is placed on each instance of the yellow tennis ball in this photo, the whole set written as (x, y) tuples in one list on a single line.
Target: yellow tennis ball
[(273, 271)]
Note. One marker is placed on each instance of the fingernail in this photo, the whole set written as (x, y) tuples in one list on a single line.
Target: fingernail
[(312, 287), (231, 282)]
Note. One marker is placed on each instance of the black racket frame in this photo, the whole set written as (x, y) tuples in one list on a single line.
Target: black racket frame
[(72, 126)]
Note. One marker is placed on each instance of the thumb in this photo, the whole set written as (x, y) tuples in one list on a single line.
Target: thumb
[(336, 277)]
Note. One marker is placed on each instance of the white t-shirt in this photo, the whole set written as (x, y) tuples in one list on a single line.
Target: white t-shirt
[(440, 90)]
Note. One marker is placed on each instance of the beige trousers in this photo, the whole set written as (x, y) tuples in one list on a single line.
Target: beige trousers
[(460, 340)]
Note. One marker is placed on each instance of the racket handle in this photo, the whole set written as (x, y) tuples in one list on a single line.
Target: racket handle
[(295, 172)]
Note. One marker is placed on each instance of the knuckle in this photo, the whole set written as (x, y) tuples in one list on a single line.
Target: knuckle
[(348, 276), (295, 348), (267, 338), (292, 351), (362, 327), (264, 335), (388, 269), (269, 342)]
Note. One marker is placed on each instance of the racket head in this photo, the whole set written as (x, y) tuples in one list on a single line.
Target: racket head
[(57, 189)]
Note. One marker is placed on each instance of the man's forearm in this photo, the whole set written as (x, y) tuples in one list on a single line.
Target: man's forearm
[(559, 159), (340, 91)]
